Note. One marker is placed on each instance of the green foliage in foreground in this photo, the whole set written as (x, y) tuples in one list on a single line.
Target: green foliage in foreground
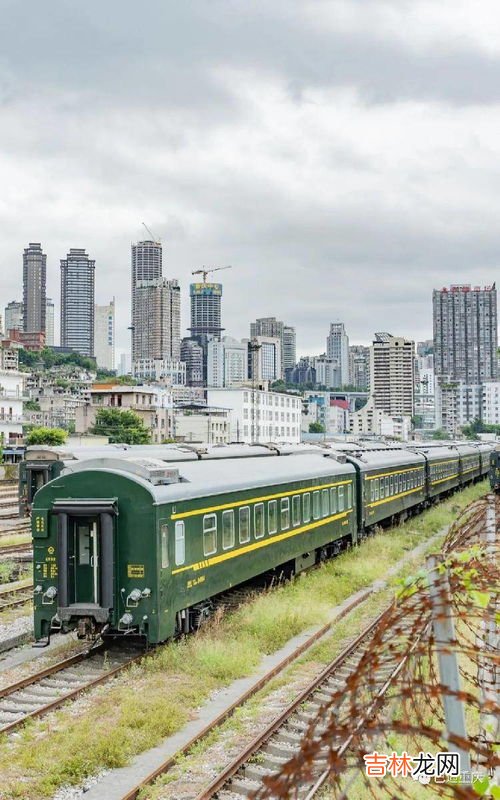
[(50, 436), (168, 687), (121, 426)]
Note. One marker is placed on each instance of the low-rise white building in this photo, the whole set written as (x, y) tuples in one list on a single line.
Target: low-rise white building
[(372, 420), (200, 424), (260, 416), (12, 395), (168, 371)]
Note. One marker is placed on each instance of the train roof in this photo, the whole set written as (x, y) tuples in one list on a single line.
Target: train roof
[(384, 459), (203, 478), (43, 452)]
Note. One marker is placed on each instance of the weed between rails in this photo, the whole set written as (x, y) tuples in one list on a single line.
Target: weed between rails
[(154, 700)]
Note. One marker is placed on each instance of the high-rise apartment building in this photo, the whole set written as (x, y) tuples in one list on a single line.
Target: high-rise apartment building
[(276, 329), (34, 288), (465, 333), (14, 316), (227, 362), (77, 301), (205, 310), (264, 358), (337, 347), (392, 374), (146, 266), (49, 322), (359, 366), (192, 356), (104, 335), (157, 327)]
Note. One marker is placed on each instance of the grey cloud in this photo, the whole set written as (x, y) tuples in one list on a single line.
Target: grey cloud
[(108, 116)]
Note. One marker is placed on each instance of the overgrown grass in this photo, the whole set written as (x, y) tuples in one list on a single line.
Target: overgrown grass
[(10, 571), (151, 702)]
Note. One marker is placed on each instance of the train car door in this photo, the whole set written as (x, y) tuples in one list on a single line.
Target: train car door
[(83, 560)]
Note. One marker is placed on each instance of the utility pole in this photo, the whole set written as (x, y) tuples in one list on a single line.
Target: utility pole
[(253, 349)]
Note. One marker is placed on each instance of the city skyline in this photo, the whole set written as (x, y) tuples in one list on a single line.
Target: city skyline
[(121, 346), (288, 163)]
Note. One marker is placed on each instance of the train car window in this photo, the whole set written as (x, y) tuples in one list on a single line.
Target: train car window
[(272, 516), (180, 544), (386, 481), (325, 502), (333, 500), (244, 524), (285, 513), (382, 490), (341, 498), (164, 545), (296, 510), (349, 495), (306, 507), (316, 506), (391, 485), (209, 534), (258, 521), (227, 529), (376, 488)]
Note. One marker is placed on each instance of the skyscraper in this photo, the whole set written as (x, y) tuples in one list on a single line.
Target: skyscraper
[(192, 355), (276, 329), (359, 366), (337, 347), (205, 310), (392, 378), (157, 328), (14, 316), (34, 288), (49, 322), (77, 301), (146, 266), (104, 335), (465, 333), (264, 358)]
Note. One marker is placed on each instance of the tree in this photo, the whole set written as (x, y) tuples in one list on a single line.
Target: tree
[(440, 434), (126, 380), (316, 427), (32, 405), (120, 425), (51, 436)]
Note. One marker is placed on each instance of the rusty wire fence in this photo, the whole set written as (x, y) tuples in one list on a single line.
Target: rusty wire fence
[(420, 716)]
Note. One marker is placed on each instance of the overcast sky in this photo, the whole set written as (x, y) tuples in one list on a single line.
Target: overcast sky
[(343, 156)]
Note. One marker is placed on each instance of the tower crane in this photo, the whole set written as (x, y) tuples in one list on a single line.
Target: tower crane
[(205, 272), (154, 239)]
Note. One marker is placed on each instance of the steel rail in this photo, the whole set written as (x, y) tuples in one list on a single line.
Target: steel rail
[(11, 595), (228, 712), (60, 666), (22, 547), (231, 769)]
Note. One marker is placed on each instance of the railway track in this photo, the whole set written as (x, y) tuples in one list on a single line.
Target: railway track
[(12, 596), (22, 547), (281, 739), (19, 528), (51, 687)]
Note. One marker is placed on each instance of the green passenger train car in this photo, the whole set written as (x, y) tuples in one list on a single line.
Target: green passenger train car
[(391, 484), (136, 547), (494, 471)]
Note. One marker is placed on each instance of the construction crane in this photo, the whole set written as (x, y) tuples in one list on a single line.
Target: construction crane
[(154, 239), (205, 272)]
